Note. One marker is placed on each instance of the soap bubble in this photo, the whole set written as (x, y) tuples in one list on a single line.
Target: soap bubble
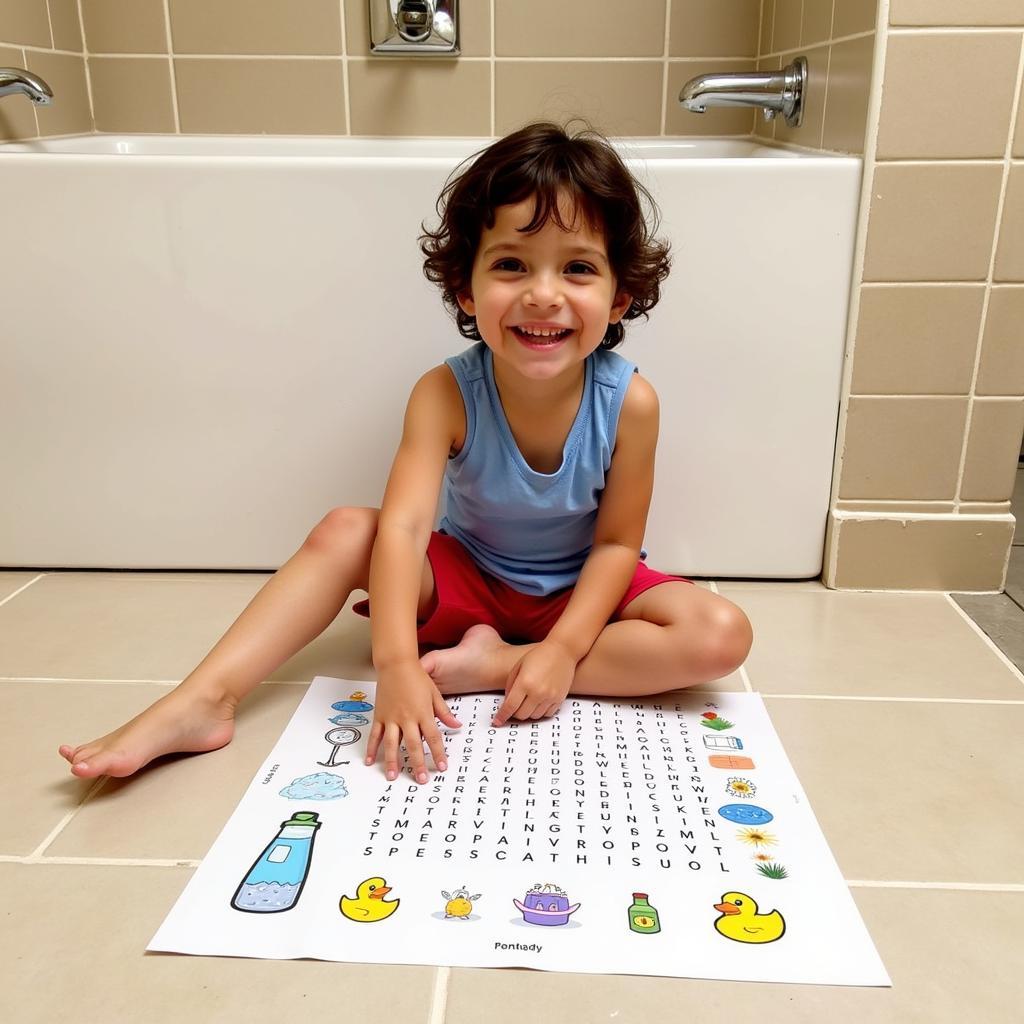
[(319, 786)]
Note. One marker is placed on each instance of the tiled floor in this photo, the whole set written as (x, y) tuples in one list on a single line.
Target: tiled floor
[(902, 719)]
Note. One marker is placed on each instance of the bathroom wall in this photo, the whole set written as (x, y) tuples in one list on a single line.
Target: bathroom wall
[(44, 36), (933, 393), (933, 407), (254, 66)]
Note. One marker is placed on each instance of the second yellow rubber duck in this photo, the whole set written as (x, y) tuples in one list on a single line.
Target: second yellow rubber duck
[(741, 922), (369, 903)]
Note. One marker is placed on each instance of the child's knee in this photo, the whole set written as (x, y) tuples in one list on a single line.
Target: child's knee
[(345, 532), (730, 638)]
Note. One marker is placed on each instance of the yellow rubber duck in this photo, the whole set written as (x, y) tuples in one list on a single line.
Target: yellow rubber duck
[(741, 922), (369, 903)]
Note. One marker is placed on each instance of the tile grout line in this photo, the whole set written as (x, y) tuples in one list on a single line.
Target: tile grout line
[(37, 853), (950, 886), (439, 997), (11, 597), (988, 640), (122, 862), (898, 700)]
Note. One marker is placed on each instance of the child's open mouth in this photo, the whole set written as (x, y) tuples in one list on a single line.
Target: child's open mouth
[(541, 339)]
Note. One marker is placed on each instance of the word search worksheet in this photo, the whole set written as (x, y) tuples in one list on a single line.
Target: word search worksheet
[(663, 836)]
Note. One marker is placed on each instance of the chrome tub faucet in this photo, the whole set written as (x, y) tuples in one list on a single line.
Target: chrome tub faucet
[(774, 91), (15, 80)]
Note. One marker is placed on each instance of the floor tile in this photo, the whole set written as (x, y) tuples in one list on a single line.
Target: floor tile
[(952, 956), (13, 581), (128, 626), (36, 787), (1001, 619), (911, 791), (77, 944), (877, 644), (175, 808)]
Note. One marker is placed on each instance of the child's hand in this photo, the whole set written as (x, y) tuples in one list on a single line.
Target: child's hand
[(537, 684), (407, 703)]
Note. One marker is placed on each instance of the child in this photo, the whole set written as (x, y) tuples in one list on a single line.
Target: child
[(543, 440)]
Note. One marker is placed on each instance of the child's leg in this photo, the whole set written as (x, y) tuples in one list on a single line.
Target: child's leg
[(295, 605), (669, 637)]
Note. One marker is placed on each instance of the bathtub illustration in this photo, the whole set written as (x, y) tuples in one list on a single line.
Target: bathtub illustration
[(546, 905)]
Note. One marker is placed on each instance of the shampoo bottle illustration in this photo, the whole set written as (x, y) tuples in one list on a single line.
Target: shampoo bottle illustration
[(642, 916), (275, 881)]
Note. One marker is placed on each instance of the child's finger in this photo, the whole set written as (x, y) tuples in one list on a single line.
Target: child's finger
[(509, 706), (376, 732), (444, 713), (436, 743), (414, 747), (391, 734)]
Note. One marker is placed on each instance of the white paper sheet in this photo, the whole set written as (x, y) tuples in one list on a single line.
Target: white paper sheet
[(531, 849)]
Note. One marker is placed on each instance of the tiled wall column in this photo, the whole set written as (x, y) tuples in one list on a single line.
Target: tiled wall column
[(933, 407), (45, 37)]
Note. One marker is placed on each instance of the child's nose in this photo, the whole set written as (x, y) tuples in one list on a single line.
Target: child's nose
[(543, 290)]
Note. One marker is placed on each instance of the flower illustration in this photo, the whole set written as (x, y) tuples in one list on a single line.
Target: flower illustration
[(756, 837), (743, 788)]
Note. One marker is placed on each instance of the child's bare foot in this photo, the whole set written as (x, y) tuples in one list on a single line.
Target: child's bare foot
[(481, 661), (180, 722)]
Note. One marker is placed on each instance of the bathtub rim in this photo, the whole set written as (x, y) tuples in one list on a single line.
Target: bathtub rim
[(645, 149)]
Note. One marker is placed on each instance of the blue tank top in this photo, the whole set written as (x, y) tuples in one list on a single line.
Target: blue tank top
[(531, 530)]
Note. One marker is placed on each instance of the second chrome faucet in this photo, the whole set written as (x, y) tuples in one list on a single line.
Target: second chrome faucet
[(18, 80), (774, 91)]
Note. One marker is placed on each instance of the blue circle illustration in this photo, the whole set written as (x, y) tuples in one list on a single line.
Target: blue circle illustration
[(352, 705), (746, 814)]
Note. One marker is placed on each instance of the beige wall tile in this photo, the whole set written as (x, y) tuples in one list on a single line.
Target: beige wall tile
[(902, 448), (849, 85), (124, 26), (65, 74), (714, 28), (579, 28), (256, 26), (67, 26), (916, 340), (419, 97), (132, 94), (956, 12), (786, 34), (810, 131), (1010, 251), (474, 29), (986, 508), (922, 117), (932, 222), (767, 24), (17, 113), (993, 447), (715, 120), (817, 22), (908, 553), (1002, 351), (854, 16), (25, 22), (618, 98), (279, 97)]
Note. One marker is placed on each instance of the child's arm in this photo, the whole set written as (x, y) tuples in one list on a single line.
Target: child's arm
[(541, 679), (407, 699)]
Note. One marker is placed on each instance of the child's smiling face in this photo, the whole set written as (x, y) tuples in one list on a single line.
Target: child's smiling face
[(542, 301)]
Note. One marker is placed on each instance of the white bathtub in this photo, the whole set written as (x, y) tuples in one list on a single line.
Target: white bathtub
[(207, 342)]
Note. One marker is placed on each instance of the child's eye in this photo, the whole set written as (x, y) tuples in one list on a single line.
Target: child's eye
[(507, 264), (579, 268)]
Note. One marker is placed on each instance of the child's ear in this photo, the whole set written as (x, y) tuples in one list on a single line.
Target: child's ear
[(623, 300), (466, 303)]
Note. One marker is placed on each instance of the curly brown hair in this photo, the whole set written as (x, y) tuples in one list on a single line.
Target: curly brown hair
[(544, 161)]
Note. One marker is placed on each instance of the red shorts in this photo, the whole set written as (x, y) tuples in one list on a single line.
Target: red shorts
[(465, 595)]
